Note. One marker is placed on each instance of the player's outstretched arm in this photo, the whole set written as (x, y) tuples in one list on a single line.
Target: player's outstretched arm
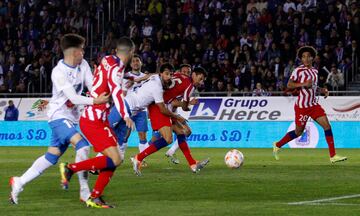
[(147, 76)]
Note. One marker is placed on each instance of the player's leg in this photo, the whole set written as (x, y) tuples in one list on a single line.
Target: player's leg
[(58, 145), (119, 128), (106, 174), (287, 138), (103, 140), (324, 123), (160, 123), (82, 148), (290, 136), (101, 137), (141, 124), (171, 152), (143, 143), (195, 166), (301, 118), (112, 158), (164, 140), (42, 163)]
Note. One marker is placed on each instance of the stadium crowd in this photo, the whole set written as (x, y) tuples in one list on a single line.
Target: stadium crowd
[(245, 46)]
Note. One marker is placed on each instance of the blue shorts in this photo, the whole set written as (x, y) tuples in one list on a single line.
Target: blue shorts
[(141, 121), (119, 127), (61, 132)]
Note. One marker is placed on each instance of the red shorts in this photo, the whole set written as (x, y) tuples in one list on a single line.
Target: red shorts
[(303, 114), (157, 119), (98, 133)]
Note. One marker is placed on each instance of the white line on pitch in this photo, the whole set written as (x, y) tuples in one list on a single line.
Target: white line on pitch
[(335, 203), (324, 200)]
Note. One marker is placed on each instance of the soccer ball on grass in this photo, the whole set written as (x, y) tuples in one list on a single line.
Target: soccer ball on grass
[(234, 159)]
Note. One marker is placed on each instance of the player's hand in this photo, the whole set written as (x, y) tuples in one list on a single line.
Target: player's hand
[(185, 107), (129, 123), (194, 101), (103, 98), (129, 84), (308, 84)]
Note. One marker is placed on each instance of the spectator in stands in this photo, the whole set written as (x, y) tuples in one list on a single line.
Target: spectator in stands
[(259, 91), (11, 112), (198, 32), (1, 75), (335, 79)]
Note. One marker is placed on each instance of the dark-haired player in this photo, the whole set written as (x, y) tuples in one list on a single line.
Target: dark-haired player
[(305, 79)]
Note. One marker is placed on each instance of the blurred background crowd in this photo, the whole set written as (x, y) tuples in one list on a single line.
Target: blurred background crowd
[(245, 45)]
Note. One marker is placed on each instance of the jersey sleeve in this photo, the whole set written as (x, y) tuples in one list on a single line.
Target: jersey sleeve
[(116, 77), (158, 94), (294, 74)]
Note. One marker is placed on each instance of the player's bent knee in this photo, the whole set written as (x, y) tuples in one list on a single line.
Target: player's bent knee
[(52, 158), (299, 131), (117, 161), (113, 162)]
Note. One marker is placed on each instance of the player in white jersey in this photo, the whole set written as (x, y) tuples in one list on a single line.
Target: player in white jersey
[(69, 77), (151, 91), (305, 79), (134, 80)]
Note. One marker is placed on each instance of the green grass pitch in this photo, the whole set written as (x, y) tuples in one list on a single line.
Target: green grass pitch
[(261, 187)]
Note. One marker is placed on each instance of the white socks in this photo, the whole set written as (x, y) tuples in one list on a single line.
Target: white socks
[(36, 169), (81, 155), (173, 149), (142, 147)]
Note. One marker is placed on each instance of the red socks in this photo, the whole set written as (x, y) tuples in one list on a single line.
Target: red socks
[(97, 163), (287, 138), (330, 141), (186, 151), (148, 151), (101, 182)]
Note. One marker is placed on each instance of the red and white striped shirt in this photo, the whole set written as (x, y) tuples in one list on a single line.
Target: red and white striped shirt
[(181, 87), (108, 77), (307, 96)]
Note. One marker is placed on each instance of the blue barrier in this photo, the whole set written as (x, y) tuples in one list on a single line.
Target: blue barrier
[(219, 134)]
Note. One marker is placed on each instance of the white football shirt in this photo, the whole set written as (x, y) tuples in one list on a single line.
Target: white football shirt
[(149, 92), (64, 76)]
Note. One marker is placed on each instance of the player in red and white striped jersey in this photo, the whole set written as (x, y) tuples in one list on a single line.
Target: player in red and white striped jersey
[(94, 125), (305, 78), (182, 129), (182, 86)]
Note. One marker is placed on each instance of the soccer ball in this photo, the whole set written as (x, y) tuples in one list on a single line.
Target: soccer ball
[(234, 159)]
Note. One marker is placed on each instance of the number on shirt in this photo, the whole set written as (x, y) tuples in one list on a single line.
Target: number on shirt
[(108, 130), (176, 80), (303, 118), (68, 124)]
